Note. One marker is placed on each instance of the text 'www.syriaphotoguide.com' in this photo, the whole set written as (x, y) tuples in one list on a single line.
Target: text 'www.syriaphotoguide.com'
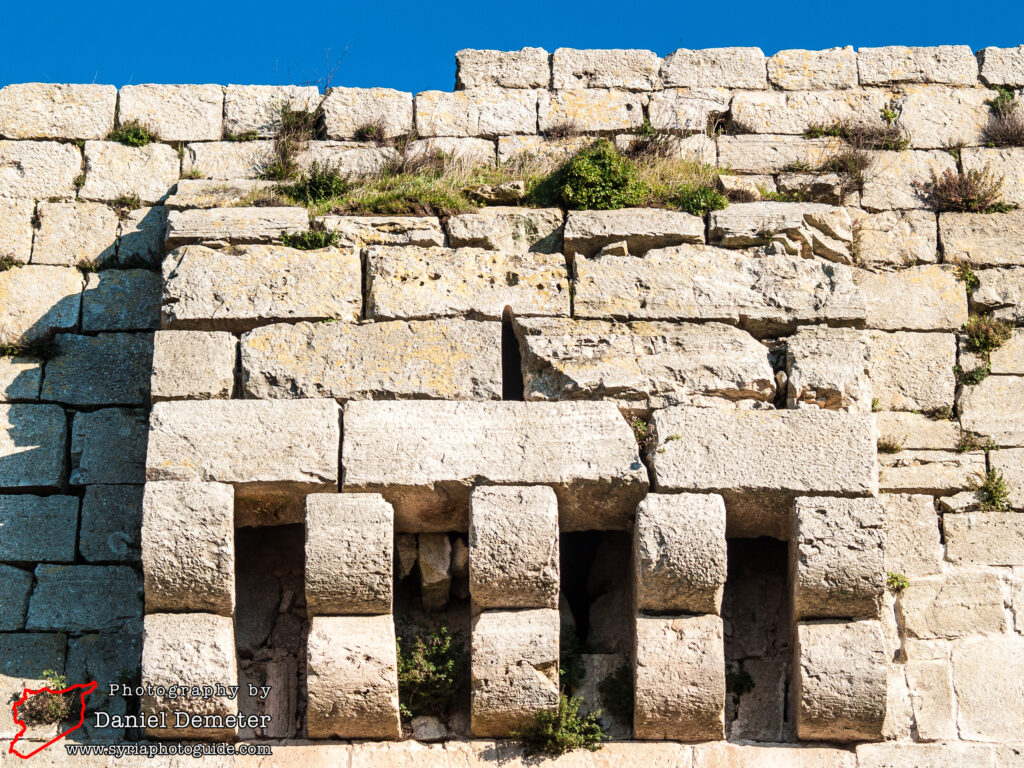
[(162, 750)]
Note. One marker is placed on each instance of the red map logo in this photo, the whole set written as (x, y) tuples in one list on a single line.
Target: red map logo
[(86, 689)]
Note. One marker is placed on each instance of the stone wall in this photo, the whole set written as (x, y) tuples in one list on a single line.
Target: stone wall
[(711, 446)]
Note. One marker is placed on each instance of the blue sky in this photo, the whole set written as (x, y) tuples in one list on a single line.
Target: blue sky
[(411, 45)]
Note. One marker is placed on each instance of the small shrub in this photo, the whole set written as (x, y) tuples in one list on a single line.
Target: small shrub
[(862, 135), (966, 275), (432, 670), (245, 136), (939, 413), (992, 491), (737, 681), (376, 132), (850, 165), (890, 445), (125, 204), (896, 582), (983, 334), (599, 178), (322, 182), (617, 693), (562, 731), (8, 262), (132, 134), (296, 130), (47, 708), (699, 200), (1005, 126), (651, 142), (972, 441), (311, 239), (87, 267), (562, 130), (973, 191), (973, 376), (875, 405)]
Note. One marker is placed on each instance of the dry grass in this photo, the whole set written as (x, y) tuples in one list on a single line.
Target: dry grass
[(973, 191), (1005, 126)]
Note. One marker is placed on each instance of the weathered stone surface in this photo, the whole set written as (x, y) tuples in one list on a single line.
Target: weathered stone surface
[(349, 158), (828, 188), (509, 229), (840, 680), (434, 557), (525, 68), (951, 64), (106, 369), (984, 538), (213, 193), (931, 690), (347, 110), (82, 598), (679, 678), (443, 359), (20, 377), (728, 755), (140, 238), (228, 161), (627, 70), (240, 225), (476, 112), (551, 151), (1001, 293), (1007, 164), (121, 300), (987, 677), (982, 239), (273, 452), (56, 111), (189, 649), (893, 755), (715, 67), (435, 452), (912, 545), (352, 678), (642, 229), (16, 229), (75, 233), (724, 451), (754, 153), (24, 658), (1010, 462), (468, 152), (804, 229), (257, 108), (891, 178), (32, 442), (37, 301), (37, 528), (108, 446), (916, 431), (936, 472), (513, 547), (763, 293), (363, 231), (1002, 66), (193, 573), (687, 109), (595, 109), (798, 70), (174, 112), (925, 298), (348, 554), (794, 111), (897, 238), (193, 365), (993, 408), (641, 365), (113, 170), (111, 523), (107, 658), (16, 585), (411, 283), (912, 371), (514, 669), (955, 605), (937, 116), (836, 558), (38, 169), (828, 368), (240, 288), (747, 186)]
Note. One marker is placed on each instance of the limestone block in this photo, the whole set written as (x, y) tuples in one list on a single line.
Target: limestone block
[(213, 193), (626, 70), (56, 111), (931, 690), (16, 229), (508, 228), (82, 598), (1002, 66), (36, 301), (836, 558), (106, 369), (109, 446), (348, 554), (32, 443), (405, 553), (348, 157), (434, 557), (352, 678), (514, 669), (912, 371), (937, 116), (925, 298), (525, 68), (982, 239), (840, 680), (641, 365), (746, 186), (933, 472), (797, 70), (16, 585), (1001, 293), (466, 151), (425, 456), (20, 378), (513, 547), (679, 553), (363, 231), (804, 229), (273, 452), (993, 408), (231, 161), (140, 239), (715, 67), (38, 169), (193, 573), (912, 545), (956, 605), (987, 678), (193, 365), (23, 659), (828, 368), (257, 108), (688, 109), (891, 178), (679, 678), (113, 170), (111, 523), (37, 528), (589, 109), (411, 283), (794, 111), (728, 755), (174, 112), (984, 538), (104, 657), (121, 300), (897, 238), (724, 451), (239, 225), (915, 431), (950, 64), (642, 229), (904, 755), (476, 112), (1005, 163), (189, 649), (240, 288), (1011, 463), (75, 233), (347, 110), (756, 153), (829, 188), (763, 293), (553, 151), (443, 359)]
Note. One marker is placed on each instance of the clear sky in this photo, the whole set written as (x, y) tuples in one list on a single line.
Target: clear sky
[(411, 45)]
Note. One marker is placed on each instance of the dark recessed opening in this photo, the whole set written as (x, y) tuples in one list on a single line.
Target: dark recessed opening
[(511, 361)]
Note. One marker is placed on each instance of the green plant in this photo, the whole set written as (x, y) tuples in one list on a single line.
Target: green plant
[(563, 730), (571, 668), (192, 173), (132, 134), (1005, 126), (433, 667), (321, 182), (296, 130), (47, 708), (992, 491), (41, 349), (87, 267), (244, 136), (888, 444), (875, 407), (376, 132), (699, 200), (973, 376), (966, 275), (673, 437), (125, 204), (311, 239), (8, 262), (983, 334), (972, 441), (649, 141), (616, 692), (939, 413), (850, 165), (737, 680), (896, 582), (972, 191), (888, 114), (79, 181), (599, 178)]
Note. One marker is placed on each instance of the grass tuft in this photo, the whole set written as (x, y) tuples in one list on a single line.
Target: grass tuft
[(992, 491), (312, 239), (133, 134), (1005, 126), (887, 444)]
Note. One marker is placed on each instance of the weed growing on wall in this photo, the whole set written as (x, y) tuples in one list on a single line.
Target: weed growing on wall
[(296, 130), (896, 582), (433, 666), (314, 238), (133, 134), (972, 376), (47, 708), (992, 491), (888, 444), (966, 275), (973, 191), (563, 730), (984, 334), (1005, 126)]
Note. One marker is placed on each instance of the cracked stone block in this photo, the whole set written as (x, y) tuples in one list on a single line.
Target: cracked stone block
[(101, 370), (912, 371), (434, 557), (925, 298), (56, 111), (274, 452), (642, 229), (513, 547), (16, 229), (912, 544), (240, 288), (349, 554), (424, 457), (477, 112), (227, 161), (257, 108), (828, 368), (525, 68), (984, 538), (174, 112), (121, 300), (189, 649), (508, 228), (84, 598), (715, 67), (36, 301), (111, 523), (38, 528), (759, 153), (352, 678), (140, 240), (32, 442), (915, 431), (364, 231), (449, 359), (1002, 66), (679, 553), (837, 558), (626, 70), (688, 109), (897, 238), (798, 70), (16, 585), (994, 408), (238, 225), (514, 670), (24, 657), (840, 680), (679, 678), (193, 573), (794, 112), (75, 233), (801, 229), (596, 109), (987, 674), (109, 446), (959, 604), (950, 64), (113, 170), (1001, 294), (983, 240), (193, 365), (38, 170), (20, 378), (937, 116), (892, 178), (347, 110), (932, 472)]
